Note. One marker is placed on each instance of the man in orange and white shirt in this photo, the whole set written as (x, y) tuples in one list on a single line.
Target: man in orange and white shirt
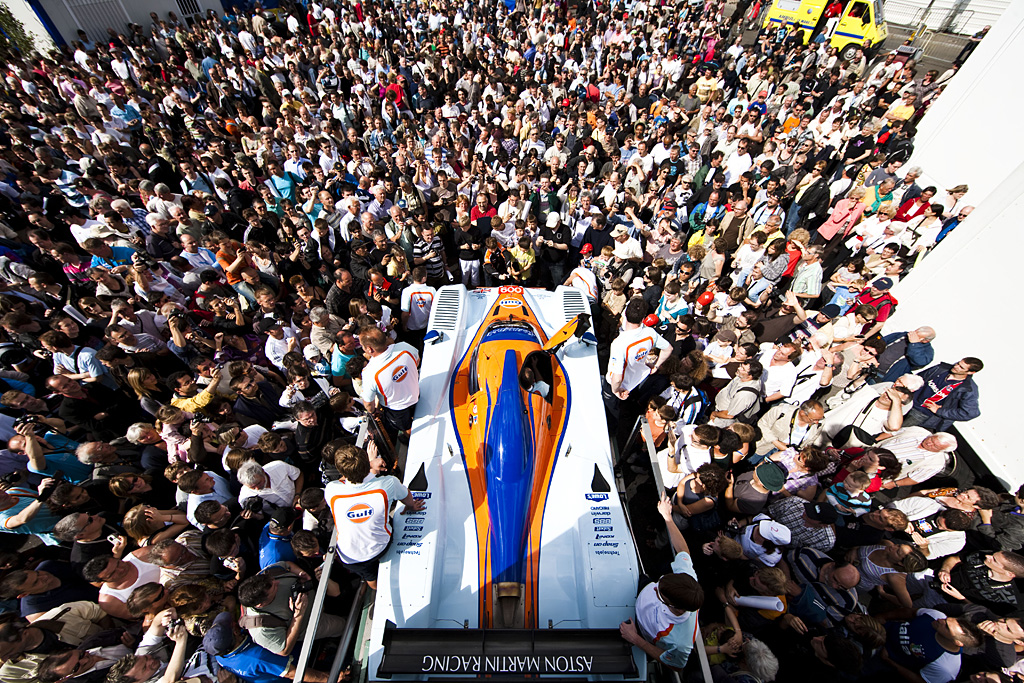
[(361, 505), (628, 367), (417, 300), (390, 379)]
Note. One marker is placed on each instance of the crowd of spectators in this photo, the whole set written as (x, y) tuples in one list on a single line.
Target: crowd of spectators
[(216, 231)]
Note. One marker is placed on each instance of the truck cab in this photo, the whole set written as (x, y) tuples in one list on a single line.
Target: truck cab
[(861, 24)]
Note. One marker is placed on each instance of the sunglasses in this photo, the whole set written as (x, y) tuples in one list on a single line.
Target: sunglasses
[(80, 666)]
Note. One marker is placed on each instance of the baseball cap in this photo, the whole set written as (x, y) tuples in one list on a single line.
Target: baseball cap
[(587, 248), (831, 311), (821, 512), (727, 336), (774, 532), (311, 352), (283, 517), (220, 637), (637, 283), (264, 325), (770, 475), (882, 284), (763, 93), (619, 232), (552, 220)]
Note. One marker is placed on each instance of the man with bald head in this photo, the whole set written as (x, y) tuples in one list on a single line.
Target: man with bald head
[(905, 352), (833, 583), (737, 225), (922, 455)]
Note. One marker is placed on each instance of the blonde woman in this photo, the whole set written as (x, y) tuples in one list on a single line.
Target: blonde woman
[(954, 196), (397, 263), (148, 525), (151, 394), (143, 281)]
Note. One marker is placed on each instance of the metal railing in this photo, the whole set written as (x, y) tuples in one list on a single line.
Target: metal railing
[(316, 609), (642, 430), (352, 624)]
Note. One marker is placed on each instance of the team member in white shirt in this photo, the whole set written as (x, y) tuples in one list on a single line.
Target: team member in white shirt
[(628, 367), (361, 505), (391, 378), (417, 300), (666, 610)]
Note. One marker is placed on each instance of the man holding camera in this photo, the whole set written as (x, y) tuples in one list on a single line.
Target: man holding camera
[(275, 610)]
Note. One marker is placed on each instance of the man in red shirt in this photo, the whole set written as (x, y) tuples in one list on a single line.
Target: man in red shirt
[(877, 295), (483, 209)]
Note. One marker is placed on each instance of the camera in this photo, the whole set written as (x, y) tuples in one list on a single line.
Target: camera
[(303, 587), (13, 478), (254, 504), (869, 372), (26, 419)]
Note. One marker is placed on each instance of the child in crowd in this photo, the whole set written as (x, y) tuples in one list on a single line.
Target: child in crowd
[(612, 304), (602, 261), (525, 256), (849, 496)]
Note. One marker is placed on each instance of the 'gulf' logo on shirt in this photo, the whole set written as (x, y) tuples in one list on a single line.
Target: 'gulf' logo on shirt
[(400, 374), (640, 355), (359, 513)]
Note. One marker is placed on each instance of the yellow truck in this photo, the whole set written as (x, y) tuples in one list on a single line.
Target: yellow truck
[(861, 24)]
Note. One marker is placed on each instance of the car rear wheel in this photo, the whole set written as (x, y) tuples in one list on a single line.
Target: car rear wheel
[(849, 52)]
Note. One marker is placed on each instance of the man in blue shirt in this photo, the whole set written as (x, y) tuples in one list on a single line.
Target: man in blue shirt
[(106, 256), (49, 454), (22, 512), (929, 645), (236, 652), (276, 538), (209, 61), (126, 112), (952, 222), (282, 183)]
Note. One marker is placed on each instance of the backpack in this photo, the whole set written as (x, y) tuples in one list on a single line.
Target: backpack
[(893, 303), (701, 397), (749, 416)]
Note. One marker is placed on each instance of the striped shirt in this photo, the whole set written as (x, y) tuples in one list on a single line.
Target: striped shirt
[(434, 266)]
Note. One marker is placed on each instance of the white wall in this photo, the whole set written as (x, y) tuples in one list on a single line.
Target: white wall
[(962, 290), (23, 13), (974, 17), (965, 287), (971, 133), (101, 14)]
